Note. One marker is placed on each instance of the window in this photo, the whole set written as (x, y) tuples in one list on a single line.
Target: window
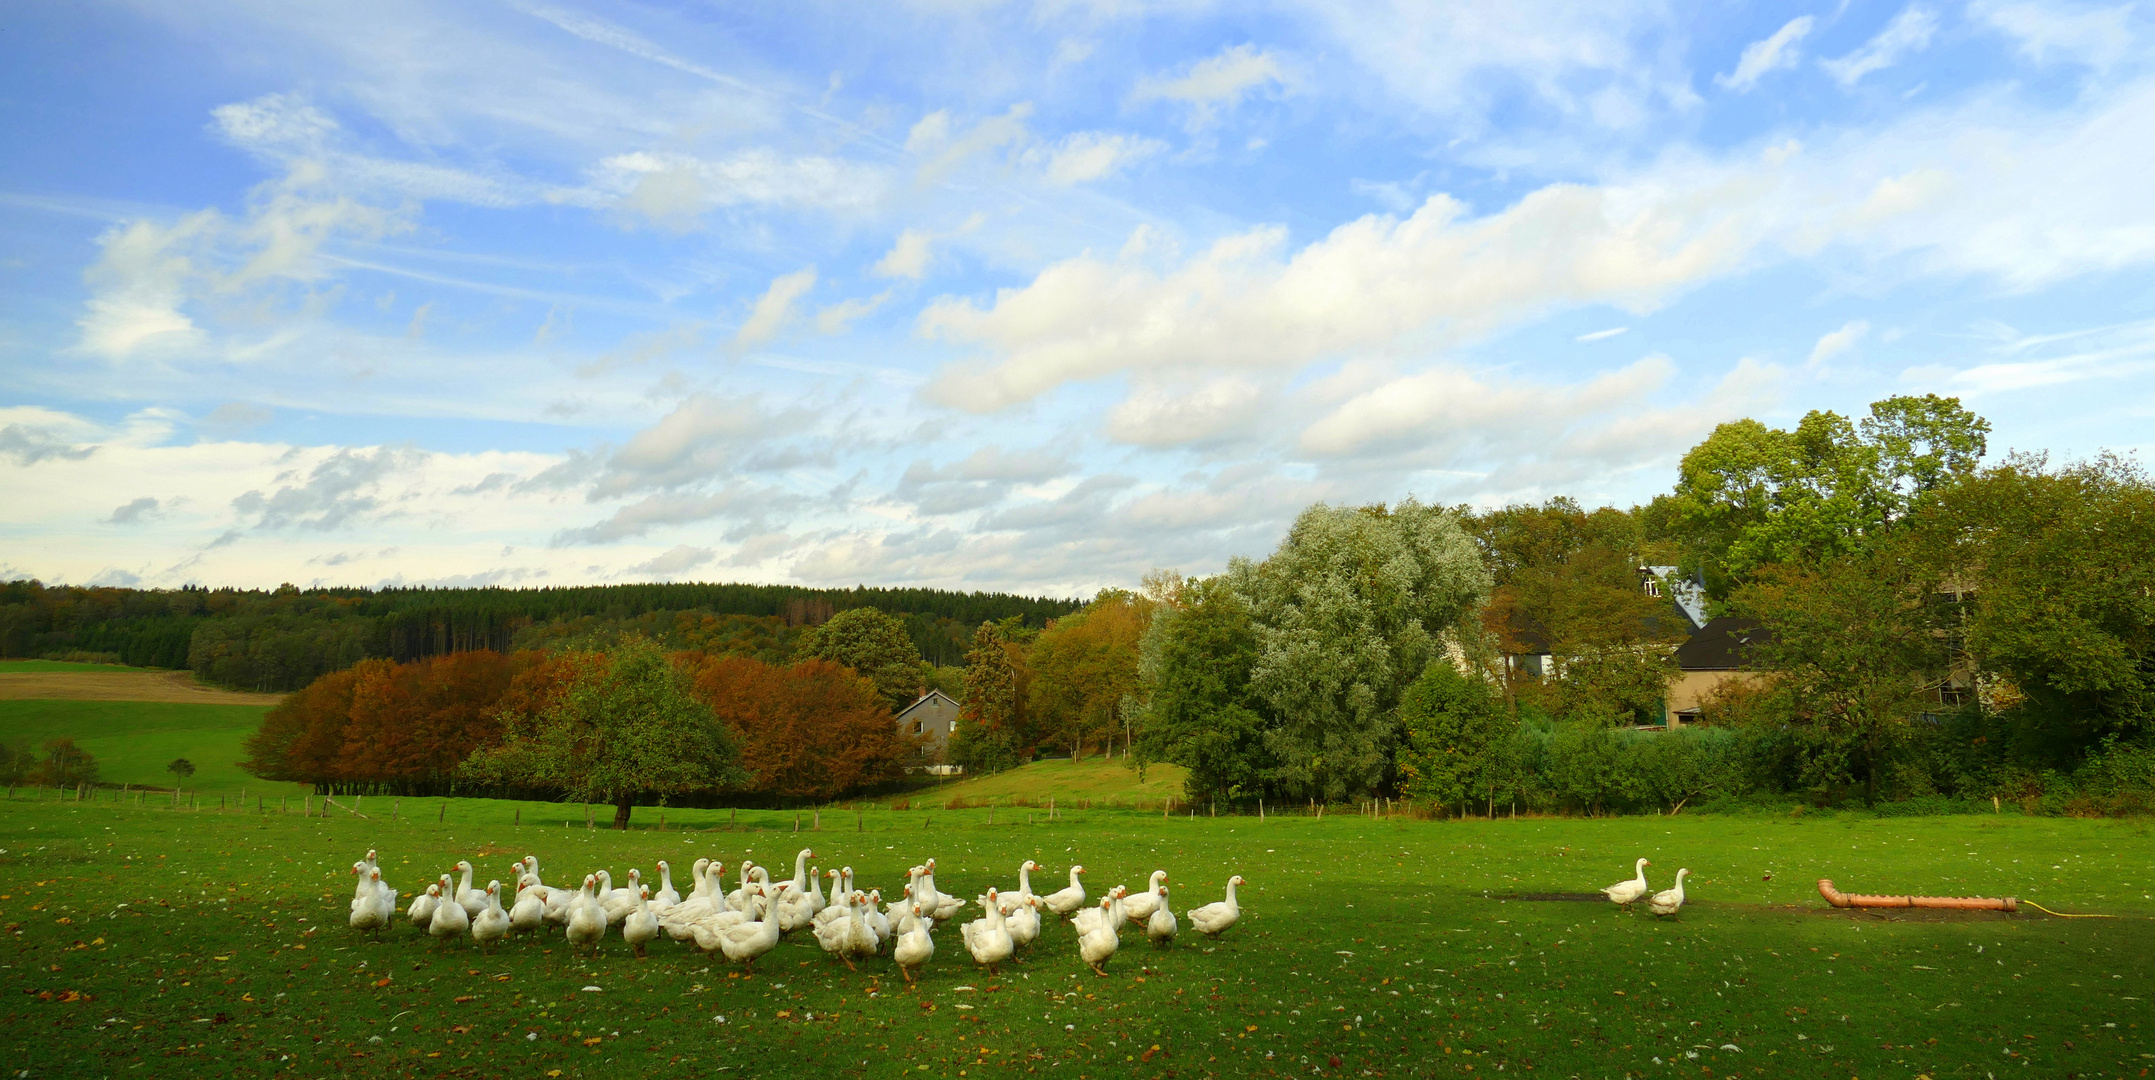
[(920, 727)]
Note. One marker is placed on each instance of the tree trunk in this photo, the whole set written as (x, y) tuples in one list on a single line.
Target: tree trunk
[(622, 806)]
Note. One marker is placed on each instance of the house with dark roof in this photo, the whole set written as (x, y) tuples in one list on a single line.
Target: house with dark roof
[(932, 719), (1716, 654)]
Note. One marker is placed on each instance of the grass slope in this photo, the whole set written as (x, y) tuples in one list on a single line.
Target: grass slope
[(133, 740), (60, 666), (1068, 782), (186, 942)]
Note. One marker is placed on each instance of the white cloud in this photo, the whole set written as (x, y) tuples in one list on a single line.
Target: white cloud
[(935, 138), (673, 190), (1161, 415), (2024, 198), (2096, 36), (1602, 335), (1440, 403), (148, 272), (839, 317), (1607, 63), (1771, 54), (1909, 32), (908, 258), (675, 560), (1092, 155), (774, 309), (703, 439), (1216, 84), (1837, 342)]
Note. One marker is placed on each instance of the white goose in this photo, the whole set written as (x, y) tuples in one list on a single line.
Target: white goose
[(1212, 920), (1627, 893), (916, 946), (1024, 923), (1114, 906), (849, 937), (473, 901), (492, 923), (744, 942), (989, 939), (1161, 927), (946, 905), (876, 920), (1066, 902), (640, 926), (378, 908), (797, 887), (1669, 901), (529, 914), (421, 912), (617, 903), (450, 920), (1139, 907), (1098, 944), (1012, 901), (666, 896), (836, 909), (587, 920), (708, 895)]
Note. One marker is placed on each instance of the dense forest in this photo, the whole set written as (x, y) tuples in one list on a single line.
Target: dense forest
[(285, 638)]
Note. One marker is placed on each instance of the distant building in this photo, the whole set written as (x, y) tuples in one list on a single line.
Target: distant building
[(1717, 653), (933, 719)]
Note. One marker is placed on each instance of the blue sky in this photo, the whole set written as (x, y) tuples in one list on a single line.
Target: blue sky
[(1006, 295)]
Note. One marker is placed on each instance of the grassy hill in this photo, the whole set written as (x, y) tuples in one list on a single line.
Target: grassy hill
[(133, 740), (1070, 783)]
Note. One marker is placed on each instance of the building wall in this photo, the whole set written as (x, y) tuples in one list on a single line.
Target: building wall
[(1693, 687), (934, 720)]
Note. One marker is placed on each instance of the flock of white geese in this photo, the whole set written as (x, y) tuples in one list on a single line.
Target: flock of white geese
[(1666, 902), (748, 922)]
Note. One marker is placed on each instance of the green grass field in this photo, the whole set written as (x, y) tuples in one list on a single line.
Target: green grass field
[(60, 666), (1094, 780), (133, 740), (182, 942)]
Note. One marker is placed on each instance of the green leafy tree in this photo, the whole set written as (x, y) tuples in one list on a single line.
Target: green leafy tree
[(1453, 724), (1351, 608), (1203, 714), (874, 644), (1085, 670), (1570, 577), (2058, 571), (1751, 495), (65, 765), (993, 727), (1858, 647), (628, 726), (181, 768)]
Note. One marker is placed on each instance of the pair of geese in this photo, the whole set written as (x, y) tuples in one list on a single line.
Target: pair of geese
[(1665, 902)]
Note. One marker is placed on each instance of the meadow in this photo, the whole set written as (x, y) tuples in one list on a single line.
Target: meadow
[(1084, 781), (133, 741), (177, 941)]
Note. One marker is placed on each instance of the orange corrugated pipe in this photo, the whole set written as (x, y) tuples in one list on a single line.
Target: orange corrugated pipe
[(1958, 903)]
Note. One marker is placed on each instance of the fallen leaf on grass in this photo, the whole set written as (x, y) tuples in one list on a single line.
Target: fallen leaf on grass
[(461, 999)]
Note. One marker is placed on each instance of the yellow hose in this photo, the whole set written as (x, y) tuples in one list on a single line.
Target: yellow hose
[(2063, 915)]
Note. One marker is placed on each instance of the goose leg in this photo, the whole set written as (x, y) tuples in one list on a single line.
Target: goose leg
[(908, 973), (848, 962)]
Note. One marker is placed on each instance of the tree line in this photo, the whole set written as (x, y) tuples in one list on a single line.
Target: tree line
[(1922, 626), (283, 639), (633, 724)]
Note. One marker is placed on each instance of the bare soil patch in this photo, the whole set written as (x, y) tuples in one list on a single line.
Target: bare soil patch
[(173, 686)]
